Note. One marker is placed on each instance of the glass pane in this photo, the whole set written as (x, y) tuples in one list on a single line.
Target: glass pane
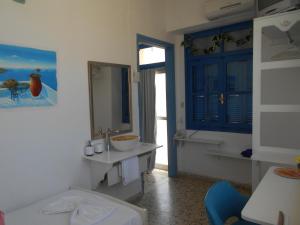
[(205, 46), (277, 45), (151, 55), (280, 86), (238, 76), (237, 40), (213, 108), (211, 76), (160, 86), (239, 108), (162, 139), (198, 108)]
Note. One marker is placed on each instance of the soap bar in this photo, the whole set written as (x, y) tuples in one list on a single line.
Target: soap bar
[(2, 222)]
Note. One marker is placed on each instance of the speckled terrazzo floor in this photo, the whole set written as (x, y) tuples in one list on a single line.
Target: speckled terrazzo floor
[(176, 201)]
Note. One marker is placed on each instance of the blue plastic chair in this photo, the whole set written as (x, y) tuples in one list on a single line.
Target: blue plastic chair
[(223, 201)]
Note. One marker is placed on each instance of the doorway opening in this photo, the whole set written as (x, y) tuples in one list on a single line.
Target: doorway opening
[(161, 120), (152, 60), (156, 66)]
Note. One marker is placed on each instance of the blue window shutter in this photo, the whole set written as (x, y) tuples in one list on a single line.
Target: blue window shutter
[(197, 90), (234, 109), (239, 109), (213, 108), (198, 108)]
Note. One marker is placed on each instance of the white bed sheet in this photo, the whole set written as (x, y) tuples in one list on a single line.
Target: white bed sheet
[(32, 215)]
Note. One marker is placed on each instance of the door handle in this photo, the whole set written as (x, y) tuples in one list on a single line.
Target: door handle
[(222, 99)]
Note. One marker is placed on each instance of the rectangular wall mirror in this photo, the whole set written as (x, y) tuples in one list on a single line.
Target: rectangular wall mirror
[(110, 97)]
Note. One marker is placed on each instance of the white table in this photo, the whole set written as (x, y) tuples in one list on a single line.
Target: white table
[(274, 194)]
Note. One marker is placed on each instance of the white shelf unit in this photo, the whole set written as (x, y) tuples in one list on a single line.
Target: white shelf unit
[(276, 94), (200, 140), (214, 153)]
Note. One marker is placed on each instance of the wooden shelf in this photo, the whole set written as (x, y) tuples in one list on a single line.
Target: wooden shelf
[(201, 140), (228, 155)]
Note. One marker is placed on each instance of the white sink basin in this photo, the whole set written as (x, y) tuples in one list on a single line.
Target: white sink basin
[(125, 142)]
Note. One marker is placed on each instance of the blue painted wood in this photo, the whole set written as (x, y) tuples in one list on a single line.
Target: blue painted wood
[(171, 100), (152, 41), (142, 46), (152, 66), (198, 63), (171, 109), (246, 58), (191, 58)]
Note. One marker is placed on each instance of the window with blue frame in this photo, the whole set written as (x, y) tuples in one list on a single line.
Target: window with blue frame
[(219, 79)]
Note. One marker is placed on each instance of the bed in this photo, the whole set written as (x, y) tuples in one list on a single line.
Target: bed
[(124, 213)]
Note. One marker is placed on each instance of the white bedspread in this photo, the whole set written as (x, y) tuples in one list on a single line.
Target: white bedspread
[(32, 215)]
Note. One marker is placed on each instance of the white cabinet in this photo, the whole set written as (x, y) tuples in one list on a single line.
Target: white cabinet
[(276, 91)]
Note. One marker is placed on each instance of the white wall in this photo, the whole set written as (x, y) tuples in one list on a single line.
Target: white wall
[(41, 148), (189, 16), (192, 157), (184, 14)]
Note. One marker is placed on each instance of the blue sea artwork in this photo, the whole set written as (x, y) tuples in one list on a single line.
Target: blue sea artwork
[(27, 77)]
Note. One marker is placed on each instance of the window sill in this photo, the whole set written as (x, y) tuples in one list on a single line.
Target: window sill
[(200, 140), (240, 130)]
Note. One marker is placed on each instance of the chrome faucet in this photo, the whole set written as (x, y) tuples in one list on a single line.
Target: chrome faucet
[(108, 133)]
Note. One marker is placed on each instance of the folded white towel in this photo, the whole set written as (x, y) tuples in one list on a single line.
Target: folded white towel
[(130, 170), (89, 214), (63, 205)]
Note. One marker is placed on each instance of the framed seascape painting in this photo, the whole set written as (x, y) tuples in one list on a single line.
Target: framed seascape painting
[(27, 77)]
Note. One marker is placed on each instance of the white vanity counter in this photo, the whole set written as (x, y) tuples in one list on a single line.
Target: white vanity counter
[(114, 156), (106, 170)]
